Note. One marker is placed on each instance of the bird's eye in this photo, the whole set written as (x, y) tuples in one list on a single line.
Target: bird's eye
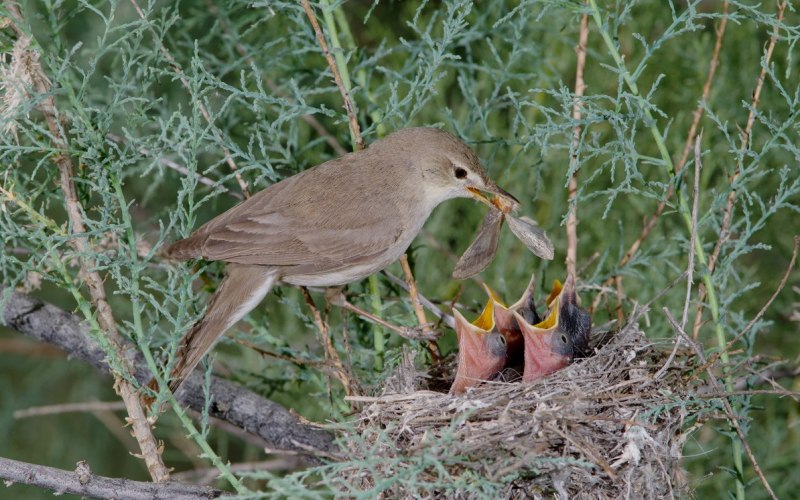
[(563, 338), (460, 173)]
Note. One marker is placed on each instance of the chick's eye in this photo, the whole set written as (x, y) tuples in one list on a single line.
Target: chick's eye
[(460, 173)]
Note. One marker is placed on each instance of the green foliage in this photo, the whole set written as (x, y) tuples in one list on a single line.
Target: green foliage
[(132, 94)]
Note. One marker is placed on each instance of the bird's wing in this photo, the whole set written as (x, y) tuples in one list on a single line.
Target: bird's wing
[(323, 222)]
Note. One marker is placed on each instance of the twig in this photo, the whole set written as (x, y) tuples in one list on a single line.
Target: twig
[(234, 404), (696, 197), (151, 451), (182, 170), (732, 417), (330, 350), (745, 141), (310, 119), (433, 308), (772, 298), (690, 266), (207, 475), (687, 148), (580, 87), (83, 482), (283, 357), (355, 130), (86, 406), (182, 77), (422, 332), (433, 347)]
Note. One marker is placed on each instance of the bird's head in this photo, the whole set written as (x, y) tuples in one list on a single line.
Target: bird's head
[(449, 168), (561, 337), (482, 351)]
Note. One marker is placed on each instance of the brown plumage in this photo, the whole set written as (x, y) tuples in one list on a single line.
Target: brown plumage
[(330, 225)]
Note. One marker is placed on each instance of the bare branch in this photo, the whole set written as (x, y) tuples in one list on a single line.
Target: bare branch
[(580, 88), (348, 101), (330, 351), (182, 170), (150, 448), (443, 316), (83, 482), (772, 298), (232, 403)]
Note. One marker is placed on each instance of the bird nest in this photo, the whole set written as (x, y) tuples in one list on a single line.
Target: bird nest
[(604, 426)]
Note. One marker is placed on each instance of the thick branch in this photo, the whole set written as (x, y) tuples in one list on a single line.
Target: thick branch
[(82, 482), (232, 403)]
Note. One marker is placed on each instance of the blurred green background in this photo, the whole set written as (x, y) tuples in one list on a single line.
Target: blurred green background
[(500, 75)]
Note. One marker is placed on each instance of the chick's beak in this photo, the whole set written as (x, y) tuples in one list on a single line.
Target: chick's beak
[(503, 200), (541, 358), (481, 354)]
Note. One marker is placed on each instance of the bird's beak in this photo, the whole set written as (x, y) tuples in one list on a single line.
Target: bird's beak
[(481, 353), (502, 200)]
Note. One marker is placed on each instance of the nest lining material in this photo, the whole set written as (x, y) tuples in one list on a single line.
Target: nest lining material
[(602, 427)]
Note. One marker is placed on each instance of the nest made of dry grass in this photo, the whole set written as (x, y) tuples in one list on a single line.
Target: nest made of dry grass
[(604, 426)]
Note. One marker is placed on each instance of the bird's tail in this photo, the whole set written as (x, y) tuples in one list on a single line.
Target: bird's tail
[(241, 290)]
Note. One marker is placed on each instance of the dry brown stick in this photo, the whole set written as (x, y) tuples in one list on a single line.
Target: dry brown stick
[(436, 310), (85, 406), (432, 346), (580, 88), (182, 77), (310, 119), (269, 354), (732, 417), (181, 169), (330, 350), (648, 226), (150, 448), (348, 102), (745, 141), (422, 332), (781, 285)]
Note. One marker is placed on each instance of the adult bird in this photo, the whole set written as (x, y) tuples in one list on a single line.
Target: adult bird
[(330, 225)]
